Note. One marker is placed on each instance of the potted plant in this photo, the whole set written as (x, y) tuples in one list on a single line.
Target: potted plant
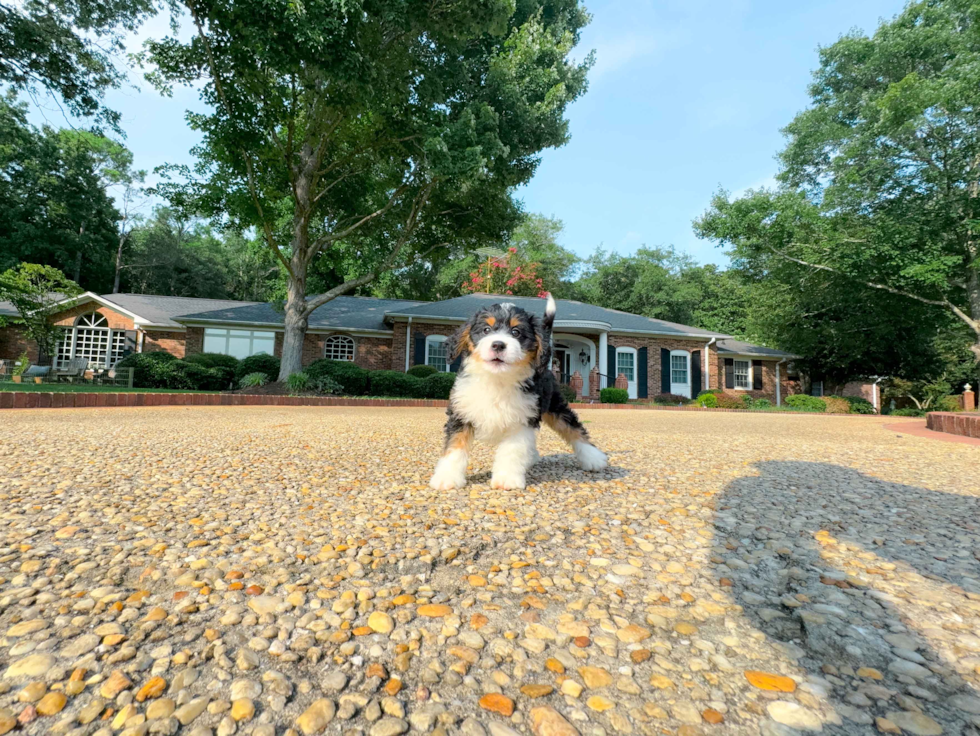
[(22, 364)]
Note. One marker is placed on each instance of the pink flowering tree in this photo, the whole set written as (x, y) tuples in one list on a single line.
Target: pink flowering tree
[(511, 275)]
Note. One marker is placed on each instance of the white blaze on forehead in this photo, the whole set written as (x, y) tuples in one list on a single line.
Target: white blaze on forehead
[(511, 353)]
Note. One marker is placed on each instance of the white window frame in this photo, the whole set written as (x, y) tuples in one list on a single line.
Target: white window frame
[(686, 357), (432, 340), (93, 327), (344, 339), (627, 351), (748, 374), (214, 335)]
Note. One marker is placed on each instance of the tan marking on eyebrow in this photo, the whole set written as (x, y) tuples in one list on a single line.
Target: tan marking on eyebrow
[(491, 321), (514, 321)]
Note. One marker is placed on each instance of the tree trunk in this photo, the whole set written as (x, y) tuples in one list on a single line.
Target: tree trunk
[(78, 267), (119, 252)]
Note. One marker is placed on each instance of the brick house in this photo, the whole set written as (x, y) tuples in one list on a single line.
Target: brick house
[(653, 356)]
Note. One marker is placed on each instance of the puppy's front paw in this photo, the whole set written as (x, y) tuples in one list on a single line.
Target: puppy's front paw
[(590, 457), (450, 474), (508, 480)]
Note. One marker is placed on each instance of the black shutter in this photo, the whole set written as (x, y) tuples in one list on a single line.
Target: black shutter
[(641, 373), (757, 375), (419, 349), (664, 371), (130, 346), (610, 367), (695, 373), (454, 366), (729, 373)]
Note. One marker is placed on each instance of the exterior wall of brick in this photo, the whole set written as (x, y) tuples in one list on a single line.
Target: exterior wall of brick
[(768, 380), (398, 342), (116, 320), (160, 341), (14, 343), (653, 346)]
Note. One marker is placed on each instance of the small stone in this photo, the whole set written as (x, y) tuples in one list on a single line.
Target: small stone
[(885, 726), (162, 708), (381, 622), (52, 703), (685, 629), (497, 703), (32, 693), (189, 711), (316, 717), (632, 634), (595, 677), (434, 610), (264, 604), (115, 684), (712, 716), (537, 691), (917, 724), (686, 712), (769, 681), (794, 715), (599, 703), (7, 721), (153, 688), (389, 727), (546, 721), (966, 703), (869, 673), (33, 665)]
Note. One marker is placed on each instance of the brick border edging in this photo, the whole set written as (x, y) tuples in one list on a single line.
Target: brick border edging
[(67, 400), (960, 423)]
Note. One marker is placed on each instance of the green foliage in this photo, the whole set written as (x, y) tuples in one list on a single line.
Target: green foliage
[(422, 371), (732, 401), (614, 395), (804, 402), (908, 411), (707, 400), (836, 405), (859, 405), (68, 48), (353, 378), (34, 291), (298, 382), (213, 360), (163, 370), (947, 403), (761, 404), (395, 384), (326, 385), (21, 365), (261, 363), (670, 399), (253, 380), (568, 393), (711, 391), (438, 386)]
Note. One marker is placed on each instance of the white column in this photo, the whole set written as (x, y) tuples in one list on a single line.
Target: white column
[(603, 354), (779, 396), (408, 341)]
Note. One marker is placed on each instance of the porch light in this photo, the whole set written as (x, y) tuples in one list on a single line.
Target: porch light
[(583, 357)]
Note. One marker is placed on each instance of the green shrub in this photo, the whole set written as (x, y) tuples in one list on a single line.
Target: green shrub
[(213, 360), (253, 380), (670, 399), (859, 405), (761, 404), (261, 363), (614, 396), (438, 385), (395, 384), (422, 371), (22, 364), (836, 405), (804, 402), (910, 411), (567, 393), (150, 370), (732, 401), (297, 382), (715, 391), (947, 403), (353, 379), (326, 385), (708, 401)]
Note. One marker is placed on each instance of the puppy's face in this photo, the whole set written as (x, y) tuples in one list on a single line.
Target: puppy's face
[(500, 338)]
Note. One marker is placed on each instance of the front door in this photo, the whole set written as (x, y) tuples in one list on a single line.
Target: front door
[(561, 355), (680, 373), (626, 364)]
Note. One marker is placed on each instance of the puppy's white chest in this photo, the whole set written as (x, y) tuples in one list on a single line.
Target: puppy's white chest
[(495, 409)]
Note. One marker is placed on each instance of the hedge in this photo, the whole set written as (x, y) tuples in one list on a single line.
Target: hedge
[(352, 378), (422, 371), (261, 363), (396, 384), (614, 396), (163, 370), (859, 405), (213, 360), (804, 402)]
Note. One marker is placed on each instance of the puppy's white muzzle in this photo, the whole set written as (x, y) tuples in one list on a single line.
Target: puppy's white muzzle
[(498, 352)]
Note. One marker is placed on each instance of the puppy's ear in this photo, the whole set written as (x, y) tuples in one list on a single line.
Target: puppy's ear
[(542, 338), (460, 343)]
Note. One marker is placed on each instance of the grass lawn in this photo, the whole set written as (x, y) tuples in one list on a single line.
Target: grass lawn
[(87, 388)]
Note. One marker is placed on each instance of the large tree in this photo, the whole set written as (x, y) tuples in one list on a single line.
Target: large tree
[(384, 128), (67, 48), (878, 198)]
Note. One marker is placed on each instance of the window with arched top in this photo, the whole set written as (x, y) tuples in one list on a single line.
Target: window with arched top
[(92, 338), (339, 347)]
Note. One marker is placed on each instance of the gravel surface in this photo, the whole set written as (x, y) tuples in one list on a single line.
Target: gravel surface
[(288, 571)]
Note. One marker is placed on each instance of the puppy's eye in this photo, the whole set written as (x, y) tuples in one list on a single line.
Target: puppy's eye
[(486, 330), (515, 332)]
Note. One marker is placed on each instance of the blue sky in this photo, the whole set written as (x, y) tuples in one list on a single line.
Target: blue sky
[(686, 96)]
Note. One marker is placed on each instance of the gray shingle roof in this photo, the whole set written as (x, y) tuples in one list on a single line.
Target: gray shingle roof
[(739, 347), (7, 310), (463, 307), (161, 310), (344, 312)]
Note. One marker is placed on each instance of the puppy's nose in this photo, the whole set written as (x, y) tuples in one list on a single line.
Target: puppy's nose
[(499, 346)]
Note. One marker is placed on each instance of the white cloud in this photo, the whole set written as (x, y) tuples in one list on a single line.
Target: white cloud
[(768, 183)]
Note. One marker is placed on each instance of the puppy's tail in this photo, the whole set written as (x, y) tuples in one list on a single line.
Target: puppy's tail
[(550, 310)]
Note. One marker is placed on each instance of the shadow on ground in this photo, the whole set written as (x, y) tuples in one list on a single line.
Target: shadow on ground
[(843, 571)]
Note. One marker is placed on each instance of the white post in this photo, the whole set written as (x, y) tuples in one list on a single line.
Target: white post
[(779, 387), (603, 362), (408, 341)]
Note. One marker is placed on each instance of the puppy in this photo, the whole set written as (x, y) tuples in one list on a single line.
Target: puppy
[(503, 391)]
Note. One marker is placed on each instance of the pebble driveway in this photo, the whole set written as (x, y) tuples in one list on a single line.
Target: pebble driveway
[(288, 571)]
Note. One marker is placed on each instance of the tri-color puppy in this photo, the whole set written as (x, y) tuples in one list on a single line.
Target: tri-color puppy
[(503, 390)]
